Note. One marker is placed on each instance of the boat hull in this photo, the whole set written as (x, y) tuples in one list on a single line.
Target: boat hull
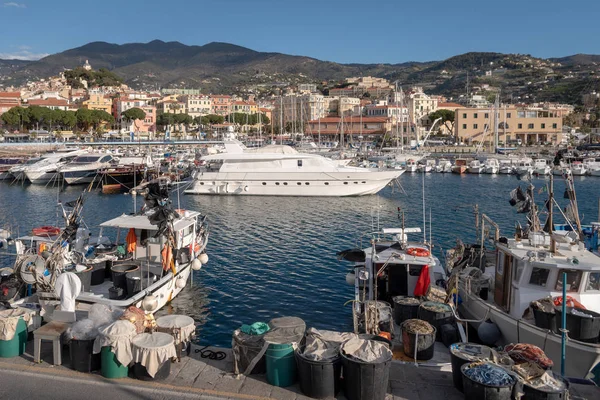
[(581, 357), (79, 177), (42, 178), (330, 184)]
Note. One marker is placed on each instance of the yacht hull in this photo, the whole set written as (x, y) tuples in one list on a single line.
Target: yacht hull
[(581, 357), (327, 184), (79, 177), (42, 178)]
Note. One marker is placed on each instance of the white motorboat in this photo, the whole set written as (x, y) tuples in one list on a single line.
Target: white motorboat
[(524, 167), (281, 171), (491, 166), (529, 268), (506, 167), (426, 166), (84, 168), (46, 169), (18, 171), (593, 166), (541, 167), (475, 167), (6, 164), (578, 168), (444, 166), (411, 165)]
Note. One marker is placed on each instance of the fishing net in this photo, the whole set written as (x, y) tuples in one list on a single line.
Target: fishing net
[(417, 327), (489, 374), (436, 307), (524, 352)]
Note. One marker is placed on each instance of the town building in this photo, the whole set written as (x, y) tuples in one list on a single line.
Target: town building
[(522, 124), (122, 104), (196, 105), (354, 129), (51, 103), (419, 104), (98, 102), (221, 104)]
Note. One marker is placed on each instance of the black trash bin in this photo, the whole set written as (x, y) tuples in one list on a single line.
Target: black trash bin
[(365, 380), (583, 325), (246, 348), (140, 372), (463, 353), (118, 272), (136, 281), (98, 272), (559, 390), (318, 379), (82, 357), (491, 389), (405, 308), (437, 314), (418, 339), (84, 273)]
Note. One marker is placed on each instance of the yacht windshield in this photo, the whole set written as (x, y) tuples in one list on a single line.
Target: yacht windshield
[(86, 159)]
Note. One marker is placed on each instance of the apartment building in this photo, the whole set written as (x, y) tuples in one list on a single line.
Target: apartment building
[(221, 104), (196, 105), (419, 104), (122, 104), (354, 129), (527, 125), (98, 102), (299, 108)]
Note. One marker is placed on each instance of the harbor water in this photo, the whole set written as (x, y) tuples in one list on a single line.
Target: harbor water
[(276, 256)]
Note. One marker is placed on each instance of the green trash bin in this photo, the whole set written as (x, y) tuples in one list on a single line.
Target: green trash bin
[(281, 365), (110, 367), (16, 346)]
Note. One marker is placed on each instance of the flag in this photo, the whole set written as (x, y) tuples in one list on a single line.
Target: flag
[(131, 240), (423, 282)]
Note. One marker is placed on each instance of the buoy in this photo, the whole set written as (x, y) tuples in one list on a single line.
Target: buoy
[(203, 258), (4, 234), (246, 188), (180, 283), (134, 192), (488, 333), (350, 277), (150, 303), (196, 264)]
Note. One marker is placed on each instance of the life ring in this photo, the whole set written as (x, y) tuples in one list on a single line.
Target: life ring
[(46, 231), (417, 251)]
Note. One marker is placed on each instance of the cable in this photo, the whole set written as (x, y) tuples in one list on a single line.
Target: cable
[(210, 354)]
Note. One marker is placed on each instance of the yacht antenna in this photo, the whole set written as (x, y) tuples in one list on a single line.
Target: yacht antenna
[(550, 222)]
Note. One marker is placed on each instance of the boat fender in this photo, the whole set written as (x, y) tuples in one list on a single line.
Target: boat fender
[(489, 333), (350, 277), (246, 188), (196, 265), (449, 333), (180, 283), (203, 258)]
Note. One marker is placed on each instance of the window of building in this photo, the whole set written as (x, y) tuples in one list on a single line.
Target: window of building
[(543, 126), (475, 115), (464, 126), (539, 276), (474, 126), (530, 126), (465, 115), (573, 280), (520, 126), (486, 115), (554, 126), (299, 163)]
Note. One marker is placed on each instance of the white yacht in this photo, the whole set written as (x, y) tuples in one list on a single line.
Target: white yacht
[(524, 167), (492, 166), (18, 171), (412, 165), (278, 170), (541, 167), (593, 166), (426, 166), (6, 164), (84, 168), (46, 169), (475, 167)]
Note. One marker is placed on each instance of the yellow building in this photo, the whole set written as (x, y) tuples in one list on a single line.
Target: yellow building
[(98, 102), (514, 124)]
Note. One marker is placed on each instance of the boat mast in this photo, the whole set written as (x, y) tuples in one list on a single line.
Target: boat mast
[(496, 117)]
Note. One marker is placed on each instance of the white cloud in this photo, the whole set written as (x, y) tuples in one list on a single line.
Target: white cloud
[(13, 4), (22, 55)]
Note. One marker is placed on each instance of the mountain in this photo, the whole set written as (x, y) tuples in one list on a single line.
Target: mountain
[(226, 68)]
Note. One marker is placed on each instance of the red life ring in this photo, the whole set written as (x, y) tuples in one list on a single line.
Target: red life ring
[(418, 252), (46, 231)]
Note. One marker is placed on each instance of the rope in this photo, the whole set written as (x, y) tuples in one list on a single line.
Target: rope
[(211, 354)]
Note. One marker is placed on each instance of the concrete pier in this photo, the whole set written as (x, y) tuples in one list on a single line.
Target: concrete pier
[(195, 377)]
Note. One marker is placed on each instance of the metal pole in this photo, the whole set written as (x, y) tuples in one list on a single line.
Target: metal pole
[(563, 351)]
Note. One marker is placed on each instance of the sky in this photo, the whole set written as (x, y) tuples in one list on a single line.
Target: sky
[(345, 31)]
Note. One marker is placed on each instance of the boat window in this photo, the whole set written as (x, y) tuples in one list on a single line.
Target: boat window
[(364, 182), (307, 183), (201, 183), (518, 268), (593, 283), (573, 280), (264, 183), (539, 276), (327, 183), (345, 183), (284, 183), (277, 183), (299, 163), (298, 183), (105, 159), (356, 183)]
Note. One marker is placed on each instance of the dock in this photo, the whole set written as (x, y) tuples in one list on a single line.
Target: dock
[(203, 378)]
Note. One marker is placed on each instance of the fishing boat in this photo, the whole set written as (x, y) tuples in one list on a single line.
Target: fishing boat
[(162, 245), (578, 168), (541, 167), (524, 167), (411, 165), (444, 166), (460, 166), (532, 266), (506, 167), (126, 174), (278, 170)]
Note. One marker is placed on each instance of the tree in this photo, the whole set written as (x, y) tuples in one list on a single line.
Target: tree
[(447, 117), (133, 113), (68, 119), (16, 116), (84, 119)]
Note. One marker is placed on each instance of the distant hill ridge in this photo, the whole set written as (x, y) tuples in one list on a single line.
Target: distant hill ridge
[(227, 68)]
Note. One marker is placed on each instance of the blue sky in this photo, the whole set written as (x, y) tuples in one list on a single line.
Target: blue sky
[(376, 31)]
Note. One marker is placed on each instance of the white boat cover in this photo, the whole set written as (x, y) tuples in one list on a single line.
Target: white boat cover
[(153, 349), (181, 327), (118, 337), (369, 351), (67, 288), (9, 320), (324, 345)]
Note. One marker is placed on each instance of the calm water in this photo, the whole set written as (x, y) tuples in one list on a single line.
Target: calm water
[(271, 256)]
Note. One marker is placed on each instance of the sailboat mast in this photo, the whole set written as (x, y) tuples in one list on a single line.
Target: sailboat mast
[(496, 118)]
